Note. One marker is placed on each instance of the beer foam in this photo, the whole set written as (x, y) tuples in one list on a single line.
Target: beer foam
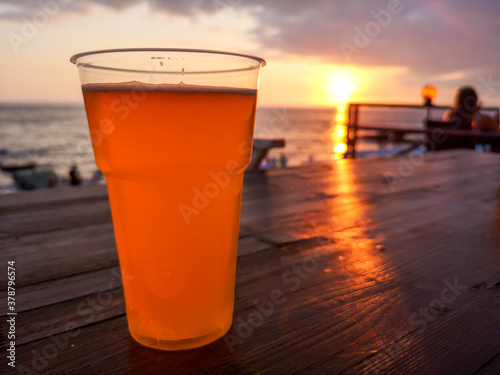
[(164, 87)]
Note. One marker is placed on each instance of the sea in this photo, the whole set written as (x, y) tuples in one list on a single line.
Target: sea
[(57, 136)]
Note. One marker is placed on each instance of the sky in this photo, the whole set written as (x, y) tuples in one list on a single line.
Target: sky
[(318, 52)]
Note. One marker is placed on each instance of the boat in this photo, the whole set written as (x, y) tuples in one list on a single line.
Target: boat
[(13, 166), (36, 178)]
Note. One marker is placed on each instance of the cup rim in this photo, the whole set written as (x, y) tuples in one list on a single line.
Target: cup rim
[(75, 57)]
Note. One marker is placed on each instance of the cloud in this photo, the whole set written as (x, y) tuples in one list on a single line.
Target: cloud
[(17, 9), (431, 38)]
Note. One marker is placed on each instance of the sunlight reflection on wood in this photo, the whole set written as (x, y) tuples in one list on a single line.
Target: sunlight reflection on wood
[(364, 263)]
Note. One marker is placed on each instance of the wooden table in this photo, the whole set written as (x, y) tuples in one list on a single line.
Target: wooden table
[(363, 267)]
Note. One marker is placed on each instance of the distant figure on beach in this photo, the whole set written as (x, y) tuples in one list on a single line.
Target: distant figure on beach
[(75, 176), (284, 160), (465, 112)]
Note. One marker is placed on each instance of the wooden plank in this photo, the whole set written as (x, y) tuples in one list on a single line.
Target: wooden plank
[(356, 213), (30, 243), (88, 309), (97, 304), (412, 201), (251, 245), (65, 285), (444, 344), (48, 256), (364, 167), (349, 180), (73, 215), (106, 347), (335, 183), (74, 251), (62, 289), (69, 314), (492, 367), (29, 200)]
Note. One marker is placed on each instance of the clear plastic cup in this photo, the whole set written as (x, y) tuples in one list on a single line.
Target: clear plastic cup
[(172, 131)]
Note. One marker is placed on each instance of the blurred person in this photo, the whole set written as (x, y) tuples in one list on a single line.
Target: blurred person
[(464, 109), (465, 113), (75, 177)]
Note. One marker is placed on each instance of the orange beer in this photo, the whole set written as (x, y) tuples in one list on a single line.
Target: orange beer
[(174, 157)]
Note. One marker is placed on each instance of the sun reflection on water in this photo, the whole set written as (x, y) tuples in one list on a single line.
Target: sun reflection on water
[(339, 131)]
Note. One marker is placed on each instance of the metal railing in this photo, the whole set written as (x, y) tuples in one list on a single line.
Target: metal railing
[(398, 133)]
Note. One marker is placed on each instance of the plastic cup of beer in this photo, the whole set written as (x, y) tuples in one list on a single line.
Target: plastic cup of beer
[(172, 132)]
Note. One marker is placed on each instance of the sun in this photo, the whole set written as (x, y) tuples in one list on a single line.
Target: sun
[(341, 86), (337, 84)]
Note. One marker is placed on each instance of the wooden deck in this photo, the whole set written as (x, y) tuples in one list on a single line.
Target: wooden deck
[(374, 267)]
